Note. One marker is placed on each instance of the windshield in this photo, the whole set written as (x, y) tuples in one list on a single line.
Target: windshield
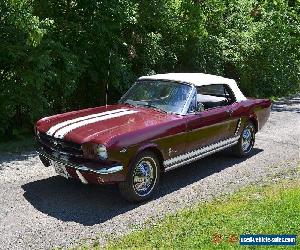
[(166, 96)]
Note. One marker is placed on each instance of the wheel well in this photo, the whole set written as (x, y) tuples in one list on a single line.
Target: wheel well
[(159, 155), (255, 123)]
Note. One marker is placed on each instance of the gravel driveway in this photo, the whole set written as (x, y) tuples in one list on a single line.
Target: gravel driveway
[(40, 210)]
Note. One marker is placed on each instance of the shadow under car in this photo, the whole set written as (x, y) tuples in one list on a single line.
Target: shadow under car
[(93, 204)]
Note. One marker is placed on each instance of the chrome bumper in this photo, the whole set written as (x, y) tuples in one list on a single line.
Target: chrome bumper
[(102, 171)]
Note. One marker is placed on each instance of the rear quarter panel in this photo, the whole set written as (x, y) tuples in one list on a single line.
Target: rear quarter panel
[(255, 110), (262, 111)]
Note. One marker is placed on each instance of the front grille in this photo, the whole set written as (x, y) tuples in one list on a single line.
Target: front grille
[(59, 145)]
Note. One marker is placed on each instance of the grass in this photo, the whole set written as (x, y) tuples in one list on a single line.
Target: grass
[(271, 209), (17, 146)]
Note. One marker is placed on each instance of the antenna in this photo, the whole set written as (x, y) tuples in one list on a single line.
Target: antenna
[(108, 74)]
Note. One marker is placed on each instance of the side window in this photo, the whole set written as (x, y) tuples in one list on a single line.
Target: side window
[(215, 95), (214, 90)]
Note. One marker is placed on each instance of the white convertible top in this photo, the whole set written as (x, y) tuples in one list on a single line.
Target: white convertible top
[(199, 79)]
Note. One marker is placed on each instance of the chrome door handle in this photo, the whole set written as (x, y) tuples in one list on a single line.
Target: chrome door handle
[(229, 112)]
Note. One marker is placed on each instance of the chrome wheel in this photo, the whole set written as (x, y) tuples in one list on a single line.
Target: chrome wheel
[(144, 176), (247, 139)]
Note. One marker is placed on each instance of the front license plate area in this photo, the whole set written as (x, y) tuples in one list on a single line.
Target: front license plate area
[(60, 169)]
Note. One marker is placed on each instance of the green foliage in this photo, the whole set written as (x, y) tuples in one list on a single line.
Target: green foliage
[(261, 47), (18, 146), (54, 54)]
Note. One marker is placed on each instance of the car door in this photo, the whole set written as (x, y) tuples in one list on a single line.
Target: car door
[(212, 125), (207, 127)]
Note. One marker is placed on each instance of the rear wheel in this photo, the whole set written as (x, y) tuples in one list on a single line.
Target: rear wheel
[(142, 179), (246, 141)]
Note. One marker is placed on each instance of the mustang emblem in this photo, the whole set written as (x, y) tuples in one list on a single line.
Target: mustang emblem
[(123, 150), (171, 151)]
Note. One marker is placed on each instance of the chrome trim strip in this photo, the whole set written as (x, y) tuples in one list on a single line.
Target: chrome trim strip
[(199, 153), (109, 170), (238, 127), (81, 178), (103, 171), (188, 101)]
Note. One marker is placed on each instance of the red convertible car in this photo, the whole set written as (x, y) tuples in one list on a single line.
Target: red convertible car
[(163, 122)]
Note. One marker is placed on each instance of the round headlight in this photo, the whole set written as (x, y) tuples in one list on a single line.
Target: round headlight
[(101, 152)]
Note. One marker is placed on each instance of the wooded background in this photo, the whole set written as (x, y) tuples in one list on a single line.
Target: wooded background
[(54, 53)]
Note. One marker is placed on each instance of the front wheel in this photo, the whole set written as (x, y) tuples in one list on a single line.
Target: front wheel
[(142, 179), (246, 141)]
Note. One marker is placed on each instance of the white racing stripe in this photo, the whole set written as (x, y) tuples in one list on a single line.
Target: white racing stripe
[(58, 126), (62, 132)]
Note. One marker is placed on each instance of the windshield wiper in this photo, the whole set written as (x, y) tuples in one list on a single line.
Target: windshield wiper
[(130, 103), (154, 107)]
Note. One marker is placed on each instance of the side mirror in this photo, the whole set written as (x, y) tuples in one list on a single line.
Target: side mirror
[(200, 107)]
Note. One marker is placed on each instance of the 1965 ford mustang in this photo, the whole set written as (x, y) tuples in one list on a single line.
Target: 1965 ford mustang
[(163, 122)]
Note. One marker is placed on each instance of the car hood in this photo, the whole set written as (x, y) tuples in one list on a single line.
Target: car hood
[(101, 124)]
